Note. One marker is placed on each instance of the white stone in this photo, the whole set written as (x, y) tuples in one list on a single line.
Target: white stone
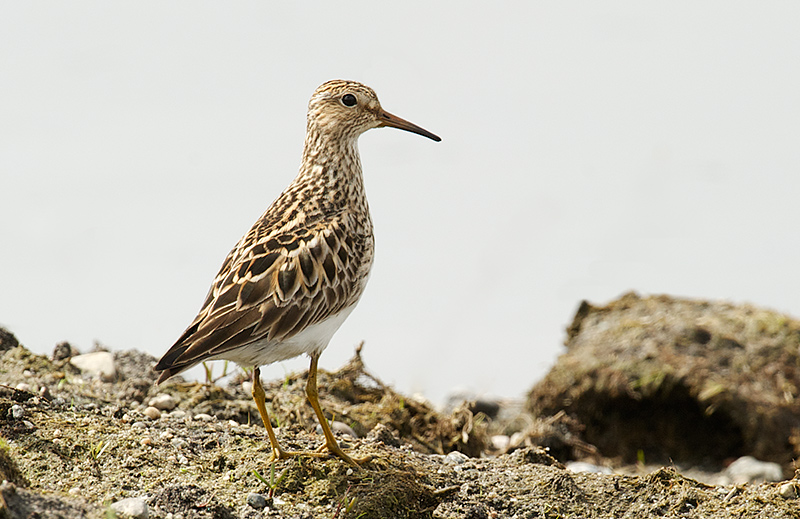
[(132, 507), (99, 363), (747, 469), (500, 442), (152, 413), (163, 402), (788, 490)]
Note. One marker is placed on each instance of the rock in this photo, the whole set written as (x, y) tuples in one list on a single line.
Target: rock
[(339, 427), (98, 363), (23, 386), (62, 351), (455, 458), (132, 507), (16, 412), (788, 490), (257, 501), (203, 417), (500, 442), (747, 469), (163, 402), (152, 413)]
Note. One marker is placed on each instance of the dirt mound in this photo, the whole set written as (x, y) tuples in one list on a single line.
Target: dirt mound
[(675, 379)]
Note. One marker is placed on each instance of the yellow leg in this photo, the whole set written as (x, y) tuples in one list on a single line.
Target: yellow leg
[(260, 398), (313, 398)]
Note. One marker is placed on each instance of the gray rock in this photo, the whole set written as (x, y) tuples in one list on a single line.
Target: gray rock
[(98, 363), (132, 507), (747, 469), (17, 412), (62, 351), (257, 501), (455, 458)]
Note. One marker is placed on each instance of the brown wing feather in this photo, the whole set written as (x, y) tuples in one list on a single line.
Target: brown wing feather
[(271, 289)]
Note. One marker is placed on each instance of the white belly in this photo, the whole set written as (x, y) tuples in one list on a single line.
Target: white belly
[(313, 339)]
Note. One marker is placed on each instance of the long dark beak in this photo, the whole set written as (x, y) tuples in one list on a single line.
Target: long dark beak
[(393, 121)]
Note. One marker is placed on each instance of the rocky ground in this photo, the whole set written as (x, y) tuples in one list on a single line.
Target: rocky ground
[(91, 436)]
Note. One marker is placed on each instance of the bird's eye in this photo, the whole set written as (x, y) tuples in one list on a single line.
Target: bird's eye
[(349, 100)]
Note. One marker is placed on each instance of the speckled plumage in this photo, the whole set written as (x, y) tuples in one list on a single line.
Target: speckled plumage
[(294, 277)]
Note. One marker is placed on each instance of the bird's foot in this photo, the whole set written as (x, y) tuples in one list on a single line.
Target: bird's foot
[(328, 448)]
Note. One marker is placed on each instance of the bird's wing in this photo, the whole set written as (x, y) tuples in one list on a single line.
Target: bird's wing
[(271, 287)]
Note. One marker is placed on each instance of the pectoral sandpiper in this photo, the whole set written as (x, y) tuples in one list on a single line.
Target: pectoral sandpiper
[(291, 281)]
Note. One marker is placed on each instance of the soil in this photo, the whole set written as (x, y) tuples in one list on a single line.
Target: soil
[(73, 444), (680, 380)]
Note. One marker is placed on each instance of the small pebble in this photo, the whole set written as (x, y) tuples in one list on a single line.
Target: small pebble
[(247, 387), (455, 458), (44, 392), (339, 427), (203, 417), (179, 443), (23, 386), (99, 363), (152, 413), (27, 373), (145, 442), (163, 402), (788, 490), (747, 469), (257, 501), (178, 414), (16, 412), (132, 507), (139, 425), (500, 442)]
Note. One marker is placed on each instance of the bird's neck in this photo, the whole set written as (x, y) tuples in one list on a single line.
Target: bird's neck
[(331, 166), (333, 158)]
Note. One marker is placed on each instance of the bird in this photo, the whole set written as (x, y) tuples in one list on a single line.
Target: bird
[(294, 277)]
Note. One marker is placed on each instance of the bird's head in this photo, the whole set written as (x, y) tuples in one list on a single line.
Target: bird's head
[(348, 109)]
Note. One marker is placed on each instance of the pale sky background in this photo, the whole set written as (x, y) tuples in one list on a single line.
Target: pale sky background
[(589, 148)]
